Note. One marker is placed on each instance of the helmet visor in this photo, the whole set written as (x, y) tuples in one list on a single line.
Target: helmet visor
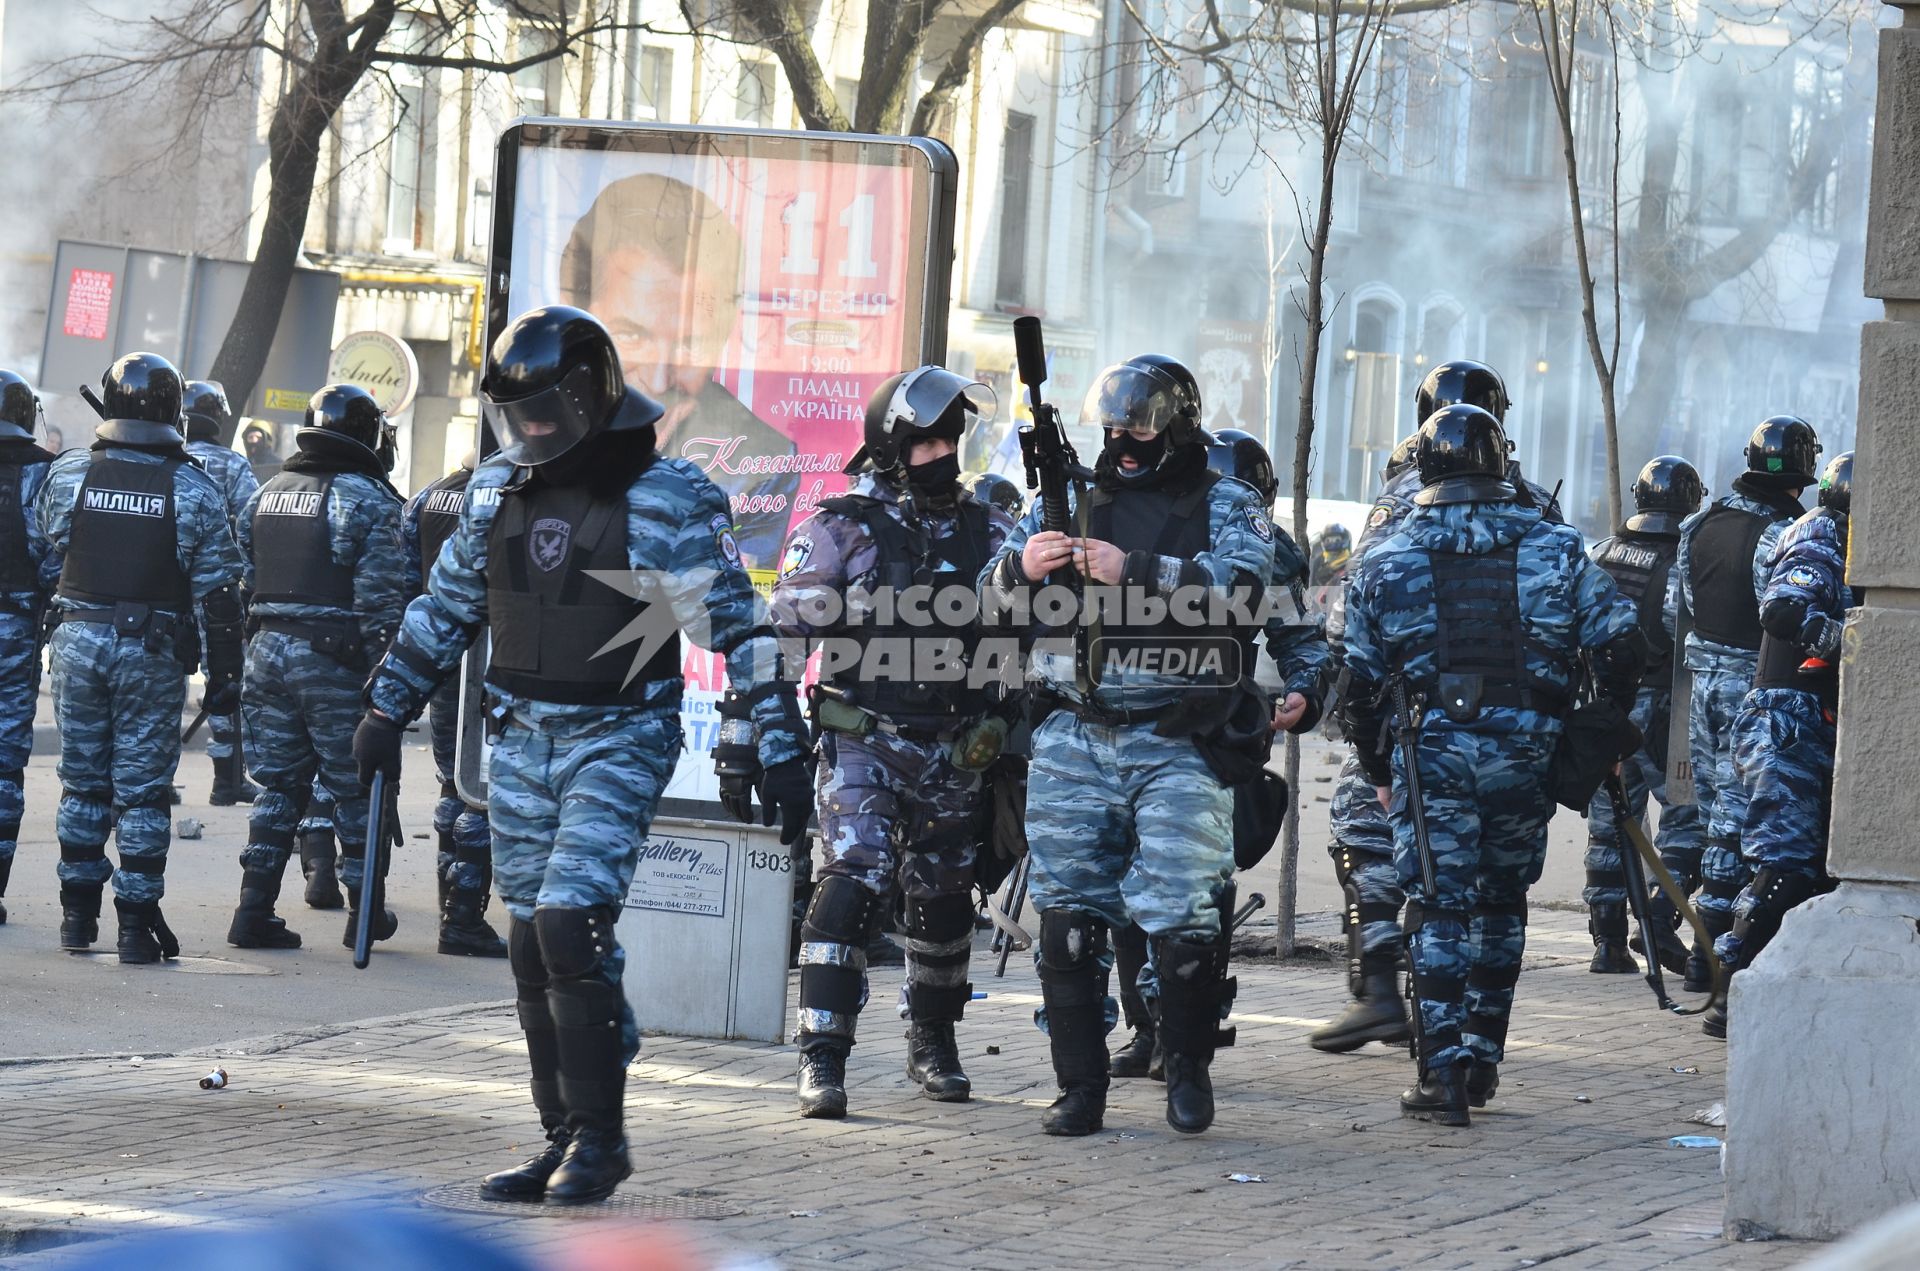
[(541, 427), (924, 397), (1133, 398)]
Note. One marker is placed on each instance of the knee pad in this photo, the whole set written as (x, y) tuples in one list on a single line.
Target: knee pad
[(940, 920), (574, 940), (523, 956), (840, 912), (1071, 940)]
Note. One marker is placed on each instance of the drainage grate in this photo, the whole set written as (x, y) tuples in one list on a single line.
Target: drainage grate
[(466, 1198)]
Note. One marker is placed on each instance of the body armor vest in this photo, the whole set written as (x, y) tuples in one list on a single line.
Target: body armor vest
[(1640, 563), (906, 559), (1480, 645), (444, 502), (1173, 522), (124, 543), (1720, 563), (293, 545), (549, 618), (16, 564)]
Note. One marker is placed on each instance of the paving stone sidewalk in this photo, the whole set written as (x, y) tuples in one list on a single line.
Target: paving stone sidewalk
[(1570, 1168)]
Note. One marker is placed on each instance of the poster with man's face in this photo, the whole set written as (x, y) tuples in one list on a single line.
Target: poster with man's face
[(758, 285)]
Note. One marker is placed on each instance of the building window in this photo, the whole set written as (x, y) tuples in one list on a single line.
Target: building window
[(1528, 111), (753, 94), (847, 93), (1016, 190), (406, 144), (535, 88), (649, 79)]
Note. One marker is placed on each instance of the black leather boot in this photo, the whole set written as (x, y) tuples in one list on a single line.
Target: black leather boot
[(1607, 924), (939, 945), (1071, 985), (385, 921), (1439, 1096), (1713, 1020), (1194, 995), (822, 1082), (317, 855), (144, 934), (1668, 947), (79, 915), (1483, 1079), (593, 1083), (1378, 1013), (527, 1181), (230, 784), (464, 932), (833, 967), (254, 925)]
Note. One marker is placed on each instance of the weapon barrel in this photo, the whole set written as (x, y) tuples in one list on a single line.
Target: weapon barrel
[(1031, 351)]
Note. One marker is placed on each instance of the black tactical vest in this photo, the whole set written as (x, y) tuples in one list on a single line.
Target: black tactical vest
[(549, 619), (1720, 564), (442, 505), (906, 559), (16, 564), (1480, 645), (1640, 564), (293, 545), (1172, 522), (124, 541)]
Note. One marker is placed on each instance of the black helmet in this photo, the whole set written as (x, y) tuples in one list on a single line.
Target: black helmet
[(19, 407), (1474, 383), (1130, 398), (145, 387), (919, 405), (991, 487), (1667, 491), (1401, 458), (347, 412), (1784, 447), (1335, 540), (1836, 484), (1240, 454), (553, 379), (1462, 455), (206, 410), (1187, 385)]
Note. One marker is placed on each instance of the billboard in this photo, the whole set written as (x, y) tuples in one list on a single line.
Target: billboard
[(759, 284)]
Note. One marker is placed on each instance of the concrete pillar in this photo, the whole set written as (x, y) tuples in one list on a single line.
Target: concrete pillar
[(1824, 1044)]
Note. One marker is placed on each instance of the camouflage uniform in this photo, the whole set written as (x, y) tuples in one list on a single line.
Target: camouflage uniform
[(893, 806), (234, 475), (116, 700), (308, 659), (1784, 738), (572, 788), (1722, 674), (28, 571), (1498, 581)]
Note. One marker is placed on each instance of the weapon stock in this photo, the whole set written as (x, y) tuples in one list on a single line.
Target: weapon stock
[(1052, 468), (372, 888)]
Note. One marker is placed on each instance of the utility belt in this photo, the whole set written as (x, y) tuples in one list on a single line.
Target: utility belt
[(1046, 701), (339, 639), (977, 740), (1462, 697), (159, 631)]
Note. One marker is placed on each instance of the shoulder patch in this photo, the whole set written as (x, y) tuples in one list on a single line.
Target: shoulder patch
[(1261, 526), (722, 527), (799, 551), (1801, 576), (1378, 516)]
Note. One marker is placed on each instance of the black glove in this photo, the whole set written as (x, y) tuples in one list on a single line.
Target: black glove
[(736, 758), (221, 699), (786, 791), (376, 747)]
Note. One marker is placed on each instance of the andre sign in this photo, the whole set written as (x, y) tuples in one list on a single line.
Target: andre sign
[(379, 363)]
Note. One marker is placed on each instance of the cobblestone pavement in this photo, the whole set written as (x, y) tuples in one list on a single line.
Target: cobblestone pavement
[(1570, 1168)]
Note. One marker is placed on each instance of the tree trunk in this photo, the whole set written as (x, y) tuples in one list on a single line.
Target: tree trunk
[(1656, 377)]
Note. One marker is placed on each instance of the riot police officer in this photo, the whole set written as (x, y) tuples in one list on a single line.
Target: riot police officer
[(1640, 559), (991, 487), (897, 798), (208, 416), (27, 573), (1473, 612), (1129, 809), (576, 531), (464, 866), (1293, 672), (1719, 572), (1785, 734), (328, 576), (141, 534), (1332, 552), (1461, 381)]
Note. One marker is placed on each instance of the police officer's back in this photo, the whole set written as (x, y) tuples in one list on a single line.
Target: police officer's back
[(208, 416), (27, 574)]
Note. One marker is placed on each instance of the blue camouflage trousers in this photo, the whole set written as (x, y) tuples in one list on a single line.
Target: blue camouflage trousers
[(1722, 796), (1487, 808), (222, 732), (1784, 744), (19, 698), (468, 867), (1362, 851), (300, 708), (571, 797), (889, 807), (1125, 824), (118, 709), (1681, 836)]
